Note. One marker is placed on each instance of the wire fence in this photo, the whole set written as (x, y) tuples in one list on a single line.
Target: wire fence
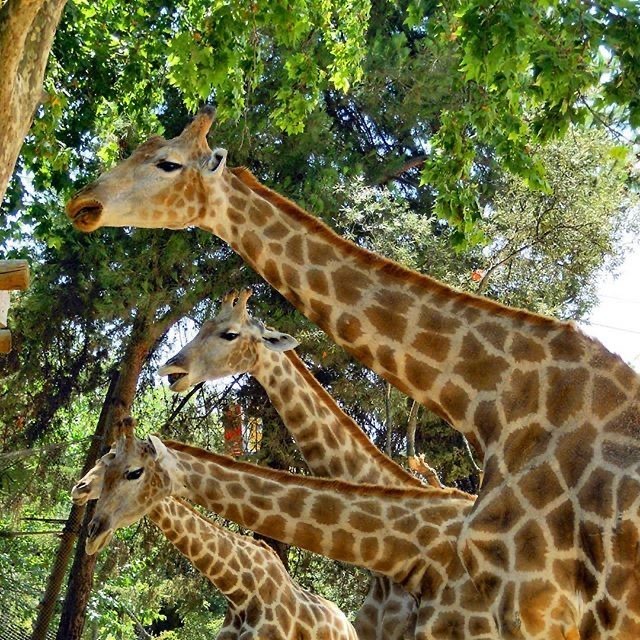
[(17, 610)]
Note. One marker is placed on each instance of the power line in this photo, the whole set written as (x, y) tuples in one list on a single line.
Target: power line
[(618, 299), (608, 326)]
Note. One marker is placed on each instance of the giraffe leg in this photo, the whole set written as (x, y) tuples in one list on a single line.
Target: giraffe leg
[(368, 622), (388, 612)]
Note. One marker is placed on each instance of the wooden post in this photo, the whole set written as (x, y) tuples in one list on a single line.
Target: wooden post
[(14, 274), (5, 341)]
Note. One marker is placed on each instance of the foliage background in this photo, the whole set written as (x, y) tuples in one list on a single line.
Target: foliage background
[(486, 144)]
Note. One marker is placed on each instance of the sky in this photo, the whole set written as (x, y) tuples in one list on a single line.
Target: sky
[(615, 321)]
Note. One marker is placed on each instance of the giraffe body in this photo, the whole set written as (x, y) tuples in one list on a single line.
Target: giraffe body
[(263, 600), (552, 539), (332, 444), (408, 535)]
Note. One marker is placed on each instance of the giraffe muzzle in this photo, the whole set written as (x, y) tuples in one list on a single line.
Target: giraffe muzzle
[(85, 213), (99, 535), (80, 493), (177, 376)]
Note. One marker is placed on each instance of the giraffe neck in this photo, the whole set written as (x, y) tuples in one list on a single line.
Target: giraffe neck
[(332, 444), (399, 533), (216, 552), (458, 354)]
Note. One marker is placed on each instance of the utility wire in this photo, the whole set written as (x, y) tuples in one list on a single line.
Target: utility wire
[(608, 326), (618, 299)]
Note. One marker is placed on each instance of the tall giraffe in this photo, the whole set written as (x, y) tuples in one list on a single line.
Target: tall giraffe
[(331, 443), (264, 601), (406, 534), (556, 416)]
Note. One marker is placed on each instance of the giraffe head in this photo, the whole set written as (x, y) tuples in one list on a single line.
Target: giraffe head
[(228, 344), (128, 483), (164, 183), (89, 487)]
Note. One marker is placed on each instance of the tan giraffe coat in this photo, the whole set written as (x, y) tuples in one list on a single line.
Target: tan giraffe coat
[(332, 444), (408, 535), (264, 602), (552, 540)]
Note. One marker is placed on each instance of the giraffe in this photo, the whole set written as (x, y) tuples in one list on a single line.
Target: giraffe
[(332, 444), (407, 534), (555, 416), (263, 600)]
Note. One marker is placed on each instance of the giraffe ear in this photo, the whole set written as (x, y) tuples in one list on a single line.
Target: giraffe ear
[(157, 448), (278, 341), (217, 160)]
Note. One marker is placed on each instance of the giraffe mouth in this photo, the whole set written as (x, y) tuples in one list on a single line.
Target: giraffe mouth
[(174, 378), (85, 214), (177, 377), (98, 537)]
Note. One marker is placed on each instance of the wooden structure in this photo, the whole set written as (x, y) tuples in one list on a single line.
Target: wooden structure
[(14, 274)]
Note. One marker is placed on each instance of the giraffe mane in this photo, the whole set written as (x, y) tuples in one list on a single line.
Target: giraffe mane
[(358, 434), (313, 482), (384, 265)]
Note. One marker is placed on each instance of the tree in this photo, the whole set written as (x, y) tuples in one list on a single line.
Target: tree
[(421, 104), (26, 33)]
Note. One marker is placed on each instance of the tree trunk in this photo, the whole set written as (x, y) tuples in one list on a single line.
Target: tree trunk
[(387, 412), (27, 28), (70, 531), (80, 582), (118, 400)]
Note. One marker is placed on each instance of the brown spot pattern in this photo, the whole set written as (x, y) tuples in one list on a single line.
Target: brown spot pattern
[(561, 523), (432, 344), (541, 486), (434, 321), (531, 548), (596, 493), (522, 395), (390, 322), (349, 284), (574, 453), (320, 253), (455, 400), (478, 368), (318, 281), (419, 374), (607, 397), (500, 514), (294, 249)]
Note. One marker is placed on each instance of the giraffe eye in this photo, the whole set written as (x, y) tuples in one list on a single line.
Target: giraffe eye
[(134, 475), (229, 335), (167, 166)]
